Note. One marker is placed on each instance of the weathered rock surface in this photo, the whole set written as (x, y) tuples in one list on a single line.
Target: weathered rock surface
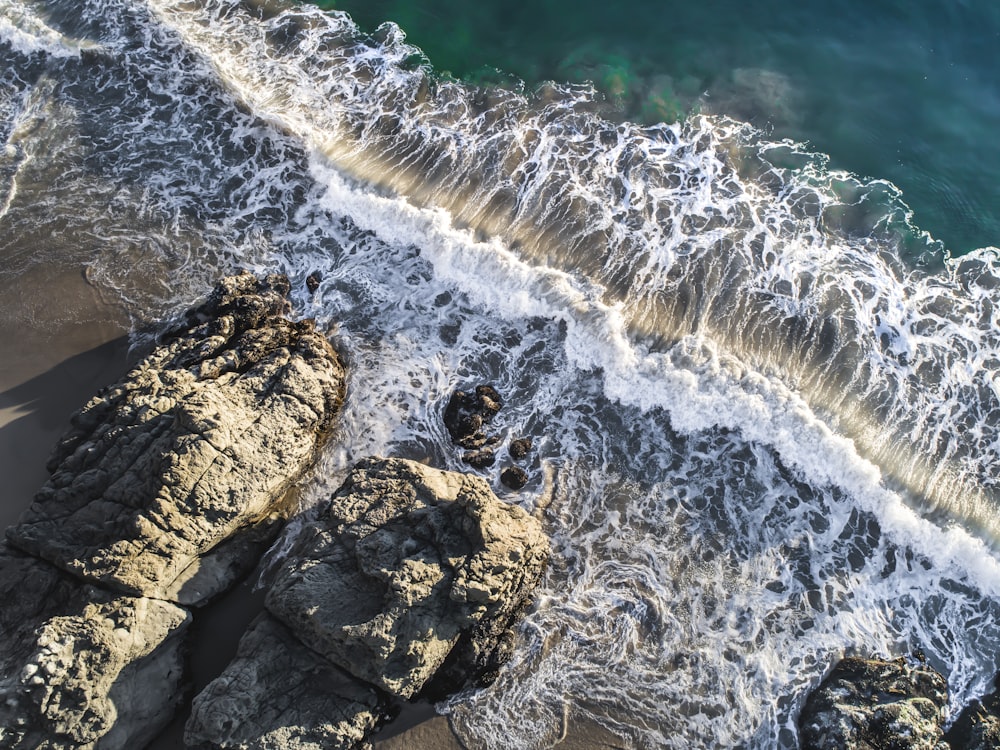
[(978, 726), (277, 693), (80, 665), (171, 482), (868, 704), (410, 568)]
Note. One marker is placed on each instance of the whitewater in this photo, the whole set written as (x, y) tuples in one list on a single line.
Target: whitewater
[(764, 405)]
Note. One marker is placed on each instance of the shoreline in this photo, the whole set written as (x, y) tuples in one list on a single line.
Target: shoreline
[(51, 368)]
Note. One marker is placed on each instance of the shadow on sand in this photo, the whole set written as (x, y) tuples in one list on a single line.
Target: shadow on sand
[(34, 414)]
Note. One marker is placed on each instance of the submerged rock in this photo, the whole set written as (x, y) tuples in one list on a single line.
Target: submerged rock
[(411, 568), (277, 693), (172, 482), (80, 665), (868, 704), (978, 726)]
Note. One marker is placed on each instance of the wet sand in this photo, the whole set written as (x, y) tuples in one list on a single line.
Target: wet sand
[(59, 343)]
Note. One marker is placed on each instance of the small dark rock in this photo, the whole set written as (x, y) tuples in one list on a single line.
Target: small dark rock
[(514, 477), (312, 281), (480, 459), (519, 448), (467, 413)]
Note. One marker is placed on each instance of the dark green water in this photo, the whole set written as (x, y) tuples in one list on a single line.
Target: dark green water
[(893, 89)]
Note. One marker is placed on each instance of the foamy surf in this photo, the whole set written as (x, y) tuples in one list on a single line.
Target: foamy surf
[(688, 230)]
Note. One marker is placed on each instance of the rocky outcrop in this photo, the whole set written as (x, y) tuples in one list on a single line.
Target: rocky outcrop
[(868, 704), (410, 580), (79, 664), (406, 561), (166, 489), (277, 693), (467, 414), (171, 483)]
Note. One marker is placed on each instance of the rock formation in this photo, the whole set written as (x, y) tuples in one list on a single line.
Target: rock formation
[(165, 490), (410, 581), (277, 693), (168, 479), (865, 704), (80, 664), (466, 416)]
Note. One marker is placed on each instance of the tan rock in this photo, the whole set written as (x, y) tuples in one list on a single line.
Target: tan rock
[(411, 570), (171, 482), (81, 667), (277, 693)]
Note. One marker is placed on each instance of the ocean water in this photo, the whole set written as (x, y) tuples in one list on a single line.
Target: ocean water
[(763, 398), (901, 91)]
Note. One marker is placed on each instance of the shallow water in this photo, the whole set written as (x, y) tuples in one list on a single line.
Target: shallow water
[(889, 89), (762, 400)]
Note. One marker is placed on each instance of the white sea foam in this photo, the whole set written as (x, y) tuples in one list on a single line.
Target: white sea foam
[(26, 31)]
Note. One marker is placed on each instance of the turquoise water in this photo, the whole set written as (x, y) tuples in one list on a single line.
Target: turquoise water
[(903, 91)]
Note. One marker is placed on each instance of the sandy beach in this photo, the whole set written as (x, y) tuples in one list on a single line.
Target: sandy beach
[(60, 343)]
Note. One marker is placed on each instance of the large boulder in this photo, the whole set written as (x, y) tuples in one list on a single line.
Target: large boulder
[(82, 667), (277, 693), (869, 704), (171, 482), (409, 570)]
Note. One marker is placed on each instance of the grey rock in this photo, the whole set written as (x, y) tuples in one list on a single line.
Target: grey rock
[(411, 568), (171, 482), (978, 726), (81, 667), (277, 693), (869, 704)]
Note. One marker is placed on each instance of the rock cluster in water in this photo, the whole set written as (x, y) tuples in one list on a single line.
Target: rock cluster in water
[(163, 493), (467, 417), (407, 586)]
